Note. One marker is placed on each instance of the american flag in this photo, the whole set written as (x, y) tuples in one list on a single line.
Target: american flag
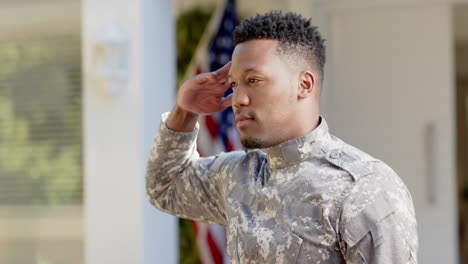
[(217, 132)]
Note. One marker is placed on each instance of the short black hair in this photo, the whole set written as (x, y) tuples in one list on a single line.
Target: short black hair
[(294, 33)]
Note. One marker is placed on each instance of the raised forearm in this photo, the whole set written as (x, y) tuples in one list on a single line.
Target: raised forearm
[(181, 120), (178, 181)]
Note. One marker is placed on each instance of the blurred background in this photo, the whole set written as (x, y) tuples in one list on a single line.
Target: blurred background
[(83, 85)]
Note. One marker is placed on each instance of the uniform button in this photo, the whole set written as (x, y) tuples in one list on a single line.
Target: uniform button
[(336, 154)]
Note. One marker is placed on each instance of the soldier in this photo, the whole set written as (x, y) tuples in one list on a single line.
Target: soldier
[(297, 194)]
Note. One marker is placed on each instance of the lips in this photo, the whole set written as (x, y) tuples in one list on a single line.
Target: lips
[(242, 120)]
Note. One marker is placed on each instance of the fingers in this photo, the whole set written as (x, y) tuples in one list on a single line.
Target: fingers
[(226, 101), (223, 71), (224, 82), (202, 78), (220, 75)]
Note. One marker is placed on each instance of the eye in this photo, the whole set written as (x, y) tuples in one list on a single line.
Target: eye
[(233, 85), (253, 80)]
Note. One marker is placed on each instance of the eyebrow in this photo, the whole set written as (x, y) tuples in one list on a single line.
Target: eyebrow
[(246, 71)]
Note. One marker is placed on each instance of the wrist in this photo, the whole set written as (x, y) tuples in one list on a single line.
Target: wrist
[(181, 120)]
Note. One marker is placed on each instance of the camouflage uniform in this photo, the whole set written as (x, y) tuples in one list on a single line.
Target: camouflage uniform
[(314, 199)]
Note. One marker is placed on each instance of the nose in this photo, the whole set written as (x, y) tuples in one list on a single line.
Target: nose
[(240, 97)]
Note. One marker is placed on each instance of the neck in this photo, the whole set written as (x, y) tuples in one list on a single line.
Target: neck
[(309, 121), (300, 148)]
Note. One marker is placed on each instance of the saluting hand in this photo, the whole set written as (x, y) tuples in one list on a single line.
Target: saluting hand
[(203, 94)]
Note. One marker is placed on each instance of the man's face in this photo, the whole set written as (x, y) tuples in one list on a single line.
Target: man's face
[(265, 94)]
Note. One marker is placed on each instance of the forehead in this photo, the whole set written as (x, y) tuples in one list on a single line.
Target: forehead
[(258, 55)]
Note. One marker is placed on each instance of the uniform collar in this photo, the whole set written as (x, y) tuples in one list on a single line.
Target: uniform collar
[(299, 149)]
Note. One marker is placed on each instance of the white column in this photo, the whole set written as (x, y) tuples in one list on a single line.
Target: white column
[(121, 226)]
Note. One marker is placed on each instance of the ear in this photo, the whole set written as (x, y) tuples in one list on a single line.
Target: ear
[(307, 84)]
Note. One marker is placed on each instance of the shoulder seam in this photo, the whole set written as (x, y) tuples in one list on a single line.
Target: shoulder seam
[(222, 159)]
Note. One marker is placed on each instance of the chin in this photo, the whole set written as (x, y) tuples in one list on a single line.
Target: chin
[(250, 142)]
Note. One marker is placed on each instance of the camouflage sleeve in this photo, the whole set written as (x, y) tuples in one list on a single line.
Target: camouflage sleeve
[(181, 183), (379, 224)]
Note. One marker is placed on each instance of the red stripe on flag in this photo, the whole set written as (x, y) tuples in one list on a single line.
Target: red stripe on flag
[(229, 146), (212, 126), (195, 227), (215, 251)]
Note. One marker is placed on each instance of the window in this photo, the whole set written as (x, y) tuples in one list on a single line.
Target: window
[(40, 121), (41, 182)]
